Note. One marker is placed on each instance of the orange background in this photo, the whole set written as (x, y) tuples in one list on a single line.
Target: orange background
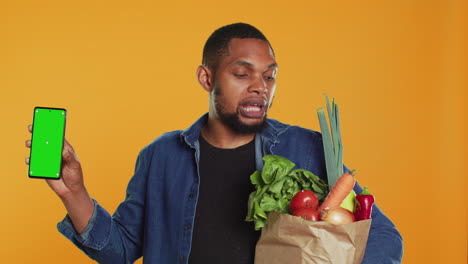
[(126, 73)]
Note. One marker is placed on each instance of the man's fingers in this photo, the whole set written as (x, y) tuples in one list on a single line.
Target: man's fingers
[(28, 144), (66, 153), (67, 144), (69, 153), (67, 149)]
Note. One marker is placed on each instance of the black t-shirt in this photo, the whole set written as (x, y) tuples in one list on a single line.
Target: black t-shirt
[(221, 234)]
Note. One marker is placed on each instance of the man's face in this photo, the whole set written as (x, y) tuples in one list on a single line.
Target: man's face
[(244, 85)]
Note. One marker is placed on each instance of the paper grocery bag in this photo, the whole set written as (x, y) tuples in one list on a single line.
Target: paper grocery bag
[(288, 239)]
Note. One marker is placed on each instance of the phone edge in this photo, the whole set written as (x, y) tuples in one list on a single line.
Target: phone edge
[(63, 141)]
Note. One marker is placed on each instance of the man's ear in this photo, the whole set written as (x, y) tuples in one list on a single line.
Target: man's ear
[(205, 75)]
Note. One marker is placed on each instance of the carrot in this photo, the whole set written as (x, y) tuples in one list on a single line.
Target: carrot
[(340, 190)]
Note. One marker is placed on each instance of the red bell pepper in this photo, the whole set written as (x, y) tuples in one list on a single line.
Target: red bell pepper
[(364, 202)]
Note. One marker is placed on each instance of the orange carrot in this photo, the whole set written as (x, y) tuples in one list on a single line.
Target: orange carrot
[(340, 190)]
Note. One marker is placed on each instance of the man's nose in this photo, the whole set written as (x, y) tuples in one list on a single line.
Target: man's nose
[(259, 85)]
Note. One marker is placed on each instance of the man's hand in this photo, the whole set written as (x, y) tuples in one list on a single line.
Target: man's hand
[(70, 187), (71, 180)]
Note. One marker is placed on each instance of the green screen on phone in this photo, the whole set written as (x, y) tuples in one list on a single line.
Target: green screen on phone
[(48, 131)]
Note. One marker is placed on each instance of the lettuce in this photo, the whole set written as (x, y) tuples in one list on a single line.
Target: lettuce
[(276, 185)]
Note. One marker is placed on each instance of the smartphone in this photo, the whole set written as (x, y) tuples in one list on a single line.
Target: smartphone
[(48, 131)]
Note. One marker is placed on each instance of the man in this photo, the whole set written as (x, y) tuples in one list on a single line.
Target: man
[(187, 200)]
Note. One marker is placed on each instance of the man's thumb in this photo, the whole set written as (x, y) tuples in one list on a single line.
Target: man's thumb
[(70, 155)]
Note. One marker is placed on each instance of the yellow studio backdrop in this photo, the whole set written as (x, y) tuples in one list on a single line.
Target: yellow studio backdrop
[(126, 73)]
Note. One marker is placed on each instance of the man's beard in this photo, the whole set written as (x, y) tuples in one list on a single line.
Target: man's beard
[(232, 120)]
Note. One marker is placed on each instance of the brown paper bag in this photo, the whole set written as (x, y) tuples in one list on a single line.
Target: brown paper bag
[(288, 239)]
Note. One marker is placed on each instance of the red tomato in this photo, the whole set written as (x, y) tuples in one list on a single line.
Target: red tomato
[(303, 199), (308, 214)]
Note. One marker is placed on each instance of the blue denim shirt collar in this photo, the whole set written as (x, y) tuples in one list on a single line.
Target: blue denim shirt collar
[(269, 134), (191, 134), (264, 140)]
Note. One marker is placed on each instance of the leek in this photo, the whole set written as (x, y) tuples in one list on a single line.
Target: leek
[(331, 138)]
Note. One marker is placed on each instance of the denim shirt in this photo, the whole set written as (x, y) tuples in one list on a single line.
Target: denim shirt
[(156, 218)]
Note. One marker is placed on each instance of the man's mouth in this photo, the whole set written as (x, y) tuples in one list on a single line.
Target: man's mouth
[(253, 109)]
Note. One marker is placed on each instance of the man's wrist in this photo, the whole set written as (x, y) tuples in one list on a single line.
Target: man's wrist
[(80, 208), (74, 195)]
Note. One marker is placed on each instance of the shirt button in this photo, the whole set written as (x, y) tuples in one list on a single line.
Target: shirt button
[(181, 259), (191, 196), (186, 227)]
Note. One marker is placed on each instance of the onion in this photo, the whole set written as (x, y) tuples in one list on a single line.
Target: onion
[(337, 215)]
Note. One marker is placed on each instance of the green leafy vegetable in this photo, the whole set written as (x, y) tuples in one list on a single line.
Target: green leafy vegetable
[(276, 185), (332, 144)]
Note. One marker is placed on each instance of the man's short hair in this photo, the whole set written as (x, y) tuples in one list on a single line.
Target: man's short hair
[(217, 44)]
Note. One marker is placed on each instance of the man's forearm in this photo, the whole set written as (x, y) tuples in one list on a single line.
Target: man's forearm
[(80, 208)]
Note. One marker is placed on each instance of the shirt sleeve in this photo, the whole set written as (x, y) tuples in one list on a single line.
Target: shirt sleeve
[(114, 239), (385, 244)]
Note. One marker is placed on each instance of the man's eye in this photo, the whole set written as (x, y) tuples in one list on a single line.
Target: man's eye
[(238, 75), (269, 78)]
